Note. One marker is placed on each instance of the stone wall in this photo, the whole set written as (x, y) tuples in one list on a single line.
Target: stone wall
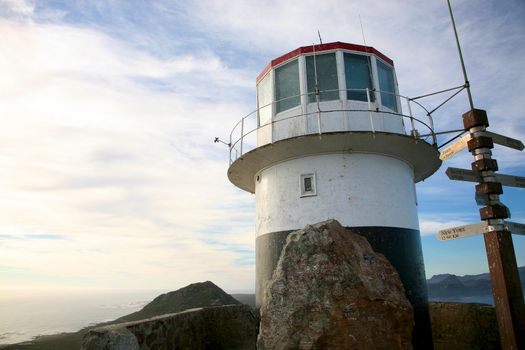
[(223, 327), (462, 326)]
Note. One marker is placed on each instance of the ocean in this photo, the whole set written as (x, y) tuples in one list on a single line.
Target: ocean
[(26, 314)]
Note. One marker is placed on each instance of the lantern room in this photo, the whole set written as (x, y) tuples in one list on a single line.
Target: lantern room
[(330, 87)]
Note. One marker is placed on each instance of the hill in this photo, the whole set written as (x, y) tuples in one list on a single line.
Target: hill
[(195, 295)]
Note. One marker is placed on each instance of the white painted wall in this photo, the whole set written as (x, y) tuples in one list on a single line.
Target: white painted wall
[(356, 189)]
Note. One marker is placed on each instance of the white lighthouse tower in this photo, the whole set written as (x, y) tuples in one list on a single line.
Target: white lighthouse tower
[(332, 142)]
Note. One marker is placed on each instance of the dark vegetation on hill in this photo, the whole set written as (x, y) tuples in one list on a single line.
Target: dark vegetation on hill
[(195, 295)]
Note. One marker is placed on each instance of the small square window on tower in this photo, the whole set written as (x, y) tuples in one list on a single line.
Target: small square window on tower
[(308, 185)]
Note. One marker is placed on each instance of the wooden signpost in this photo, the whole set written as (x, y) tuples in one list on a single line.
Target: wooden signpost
[(506, 286)]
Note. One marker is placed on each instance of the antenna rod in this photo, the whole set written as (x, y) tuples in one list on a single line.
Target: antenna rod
[(362, 31), (467, 84)]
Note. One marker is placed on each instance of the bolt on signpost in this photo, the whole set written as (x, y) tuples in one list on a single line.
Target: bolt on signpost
[(506, 287)]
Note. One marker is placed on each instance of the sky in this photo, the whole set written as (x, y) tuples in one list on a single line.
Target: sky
[(109, 177)]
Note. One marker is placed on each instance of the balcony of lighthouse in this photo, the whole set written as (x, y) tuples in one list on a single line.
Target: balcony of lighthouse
[(328, 98)]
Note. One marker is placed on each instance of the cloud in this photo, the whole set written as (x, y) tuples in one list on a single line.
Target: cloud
[(431, 227), (16, 8), (96, 155)]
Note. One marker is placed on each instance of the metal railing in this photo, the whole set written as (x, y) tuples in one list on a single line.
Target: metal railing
[(248, 125)]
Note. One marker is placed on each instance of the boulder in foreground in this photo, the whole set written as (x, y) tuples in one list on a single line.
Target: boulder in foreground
[(330, 290)]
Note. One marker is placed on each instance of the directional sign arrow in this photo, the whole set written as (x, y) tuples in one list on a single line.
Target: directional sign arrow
[(462, 174), (511, 180), (464, 231), (505, 141), (479, 228), (515, 227), (496, 138), (455, 147), (469, 175)]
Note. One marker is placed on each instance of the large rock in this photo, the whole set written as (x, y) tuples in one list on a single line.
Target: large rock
[(330, 290), (232, 327), (464, 326), (117, 338)]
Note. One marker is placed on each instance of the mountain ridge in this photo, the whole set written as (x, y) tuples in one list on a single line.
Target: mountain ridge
[(450, 285)]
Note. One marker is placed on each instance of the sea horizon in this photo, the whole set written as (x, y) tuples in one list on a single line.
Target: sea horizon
[(26, 314)]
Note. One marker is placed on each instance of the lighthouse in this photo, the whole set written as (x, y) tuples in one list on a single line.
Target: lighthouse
[(329, 140)]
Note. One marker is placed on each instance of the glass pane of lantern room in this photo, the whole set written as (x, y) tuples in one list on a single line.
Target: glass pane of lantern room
[(264, 100), (326, 68), (358, 77), (386, 85), (287, 86)]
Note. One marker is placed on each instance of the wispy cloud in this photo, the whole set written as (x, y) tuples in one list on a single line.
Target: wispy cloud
[(16, 8), (94, 154), (431, 227)]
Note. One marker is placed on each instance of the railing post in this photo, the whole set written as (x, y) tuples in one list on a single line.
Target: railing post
[(242, 133), (230, 146), (319, 122), (370, 110), (413, 131), (431, 123)]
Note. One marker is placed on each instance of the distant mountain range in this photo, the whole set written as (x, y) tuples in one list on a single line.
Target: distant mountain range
[(448, 285)]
